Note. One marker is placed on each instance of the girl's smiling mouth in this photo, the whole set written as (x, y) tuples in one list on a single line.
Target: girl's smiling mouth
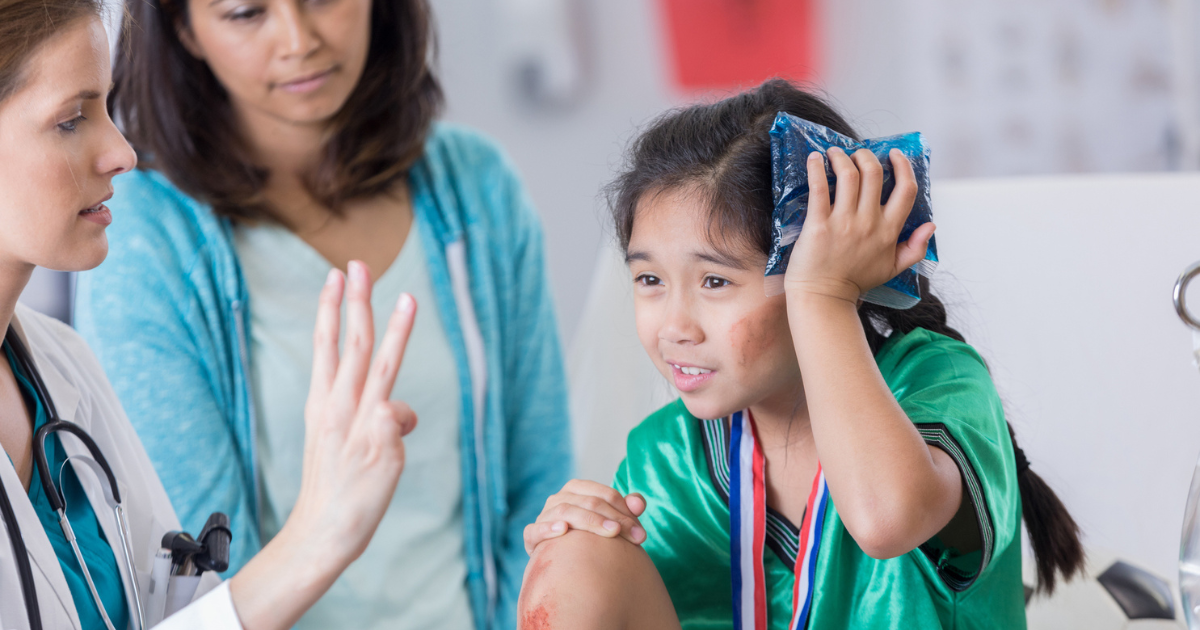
[(689, 378)]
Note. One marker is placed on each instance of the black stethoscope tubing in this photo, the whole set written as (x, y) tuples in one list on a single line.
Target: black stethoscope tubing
[(53, 494)]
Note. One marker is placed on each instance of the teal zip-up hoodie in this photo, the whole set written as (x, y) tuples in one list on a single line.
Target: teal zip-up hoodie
[(167, 316)]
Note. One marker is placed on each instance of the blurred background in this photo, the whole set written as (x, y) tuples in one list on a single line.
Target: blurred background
[(999, 87), (1025, 104)]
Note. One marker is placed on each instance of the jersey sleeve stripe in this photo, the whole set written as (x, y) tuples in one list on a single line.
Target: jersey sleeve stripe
[(936, 434)]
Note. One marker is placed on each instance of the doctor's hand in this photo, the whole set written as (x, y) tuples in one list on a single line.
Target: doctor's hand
[(353, 447), (353, 457), (588, 506)]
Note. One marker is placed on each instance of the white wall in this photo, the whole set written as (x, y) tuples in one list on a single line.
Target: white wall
[(1064, 284)]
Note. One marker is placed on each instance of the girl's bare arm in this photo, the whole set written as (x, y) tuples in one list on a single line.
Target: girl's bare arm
[(893, 492)]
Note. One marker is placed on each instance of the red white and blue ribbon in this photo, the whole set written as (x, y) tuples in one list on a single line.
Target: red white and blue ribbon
[(747, 531)]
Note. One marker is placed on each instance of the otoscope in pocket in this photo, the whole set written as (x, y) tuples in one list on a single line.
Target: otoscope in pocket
[(180, 562)]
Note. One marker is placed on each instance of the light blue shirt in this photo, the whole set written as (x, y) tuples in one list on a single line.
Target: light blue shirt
[(166, 316), (413, 574)]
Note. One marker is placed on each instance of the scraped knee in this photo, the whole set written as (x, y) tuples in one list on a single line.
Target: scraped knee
[(580, 580)]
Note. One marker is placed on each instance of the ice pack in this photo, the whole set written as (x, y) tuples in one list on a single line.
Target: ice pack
[(792, 140)]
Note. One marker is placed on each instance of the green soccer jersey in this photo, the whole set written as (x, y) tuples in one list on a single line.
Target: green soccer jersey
[(681, 465)]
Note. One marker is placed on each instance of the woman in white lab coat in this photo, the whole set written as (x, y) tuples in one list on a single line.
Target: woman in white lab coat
[(58, 153)]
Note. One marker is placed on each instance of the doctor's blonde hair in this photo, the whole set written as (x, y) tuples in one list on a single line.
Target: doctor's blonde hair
[(27, 24)]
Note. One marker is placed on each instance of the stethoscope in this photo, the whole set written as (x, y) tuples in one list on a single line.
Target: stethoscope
[(108, 481)]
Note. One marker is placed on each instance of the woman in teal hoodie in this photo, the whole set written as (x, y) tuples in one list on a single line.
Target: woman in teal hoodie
[(279, 139)]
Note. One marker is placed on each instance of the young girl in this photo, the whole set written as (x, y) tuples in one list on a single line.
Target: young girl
[(864, 447)]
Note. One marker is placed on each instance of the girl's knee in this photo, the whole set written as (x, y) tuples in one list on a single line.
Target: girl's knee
[(584, 561), (580, 580)]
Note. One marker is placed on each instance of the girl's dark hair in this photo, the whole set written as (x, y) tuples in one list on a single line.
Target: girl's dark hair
[(27, 24), (179, 119), (722, 151)]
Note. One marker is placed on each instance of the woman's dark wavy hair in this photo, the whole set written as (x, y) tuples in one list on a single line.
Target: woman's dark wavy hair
[(722, 151), (179, 119)]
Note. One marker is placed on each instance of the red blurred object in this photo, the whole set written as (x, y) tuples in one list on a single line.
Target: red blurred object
[(739, 43)]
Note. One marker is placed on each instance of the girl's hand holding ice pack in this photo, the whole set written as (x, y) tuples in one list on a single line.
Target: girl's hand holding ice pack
[(851, 246), (794, 184)]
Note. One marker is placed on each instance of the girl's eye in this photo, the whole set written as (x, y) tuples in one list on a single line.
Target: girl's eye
[(70, 125), (648, 280), (246, 14), (713, 282)]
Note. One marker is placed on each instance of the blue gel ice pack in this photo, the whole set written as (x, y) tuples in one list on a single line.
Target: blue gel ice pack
[(792, 140)]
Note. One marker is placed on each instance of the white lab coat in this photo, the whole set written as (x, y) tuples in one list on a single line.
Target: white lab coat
[(82, 394)]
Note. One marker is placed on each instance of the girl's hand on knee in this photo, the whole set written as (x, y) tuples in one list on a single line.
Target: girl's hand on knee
[(851, 247), (591, 507)]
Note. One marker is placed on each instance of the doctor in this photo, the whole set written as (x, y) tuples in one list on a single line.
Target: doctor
[(58, 154)]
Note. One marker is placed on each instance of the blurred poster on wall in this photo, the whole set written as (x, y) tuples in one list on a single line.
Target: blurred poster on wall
[(716, 44), (1030, 87)]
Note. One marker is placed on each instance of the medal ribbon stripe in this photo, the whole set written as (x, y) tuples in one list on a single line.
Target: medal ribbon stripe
[(783, 538), (747, 499), (748, 529), (759, 513), (810, 542)]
